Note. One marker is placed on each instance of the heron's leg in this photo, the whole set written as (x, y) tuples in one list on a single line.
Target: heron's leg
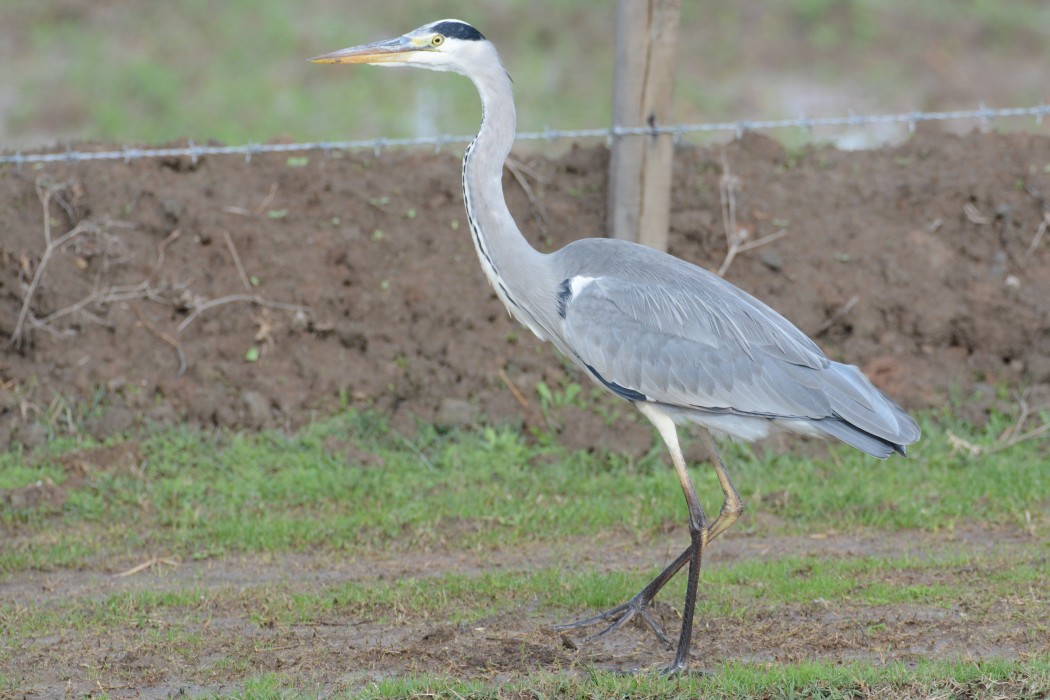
[(732, 506), (698, 529), (639, 604)]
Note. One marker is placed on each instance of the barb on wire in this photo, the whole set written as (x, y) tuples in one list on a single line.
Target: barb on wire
[(982, 114)]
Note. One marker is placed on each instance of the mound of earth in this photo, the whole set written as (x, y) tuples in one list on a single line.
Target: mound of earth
[(265, 293)]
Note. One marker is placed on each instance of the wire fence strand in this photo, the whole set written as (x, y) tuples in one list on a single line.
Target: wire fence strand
[(911, 119)]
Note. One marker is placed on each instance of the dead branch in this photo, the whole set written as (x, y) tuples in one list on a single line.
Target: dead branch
[(1023, 411), (736, 237), (234, 298), (519, 171), (44, 192), (113, 294), (200, 308), (1010, 437), (1032, 434), (172, 295), (727, 195), (162, 250), (46, 322)]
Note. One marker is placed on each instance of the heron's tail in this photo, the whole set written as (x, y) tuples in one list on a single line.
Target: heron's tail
[(864, 417), (865, 442)]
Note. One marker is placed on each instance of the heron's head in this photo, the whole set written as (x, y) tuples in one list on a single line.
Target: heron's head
[(445, 45)]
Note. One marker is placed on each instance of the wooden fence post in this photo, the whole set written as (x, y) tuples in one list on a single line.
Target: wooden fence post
[(640, 168)]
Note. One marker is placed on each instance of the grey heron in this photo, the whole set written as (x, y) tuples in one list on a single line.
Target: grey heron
[(678, 342)]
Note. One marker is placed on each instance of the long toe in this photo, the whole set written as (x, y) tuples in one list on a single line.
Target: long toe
[(603, 617), (618, 617), (655, 627)]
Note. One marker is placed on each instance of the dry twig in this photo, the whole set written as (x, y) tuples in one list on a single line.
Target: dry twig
[(736, 237), (532, 416), (519, 170), (1010, 437), (1040, 232), (150, 563), (1032, 434), (233, 298), (148, 325), (99, 296), (44, 191), (514, 390), (974, 214), (251, 296), (113, 294), (241, 211), (266, 200), (173, 295), (237, 262)]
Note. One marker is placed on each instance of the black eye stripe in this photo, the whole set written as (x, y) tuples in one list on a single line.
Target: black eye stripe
[(458, 30)]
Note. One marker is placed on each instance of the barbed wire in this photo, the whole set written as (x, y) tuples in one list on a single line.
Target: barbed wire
[(739, 127)]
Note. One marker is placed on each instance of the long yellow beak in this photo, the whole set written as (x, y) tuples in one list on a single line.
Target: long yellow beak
[(387, 51)]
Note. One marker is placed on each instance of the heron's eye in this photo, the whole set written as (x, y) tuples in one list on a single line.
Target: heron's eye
[(438, 40)]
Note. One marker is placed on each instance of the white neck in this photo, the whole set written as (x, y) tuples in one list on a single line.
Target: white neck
[(508, 260)]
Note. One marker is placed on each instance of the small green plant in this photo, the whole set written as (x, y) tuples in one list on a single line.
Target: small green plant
[(570, 394)]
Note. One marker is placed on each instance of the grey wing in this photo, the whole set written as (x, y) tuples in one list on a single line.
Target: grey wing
[(694, 341)]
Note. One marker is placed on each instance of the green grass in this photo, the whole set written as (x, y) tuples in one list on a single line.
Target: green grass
[(827, 681), (204, 494), (177, 624), (236, 71), (746, 591), (350, 488), (815, 680)]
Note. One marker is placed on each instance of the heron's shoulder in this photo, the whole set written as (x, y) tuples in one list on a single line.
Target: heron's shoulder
[(633, 284), (624, 260)]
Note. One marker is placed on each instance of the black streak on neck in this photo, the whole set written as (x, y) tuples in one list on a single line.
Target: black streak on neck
[(564, 294)]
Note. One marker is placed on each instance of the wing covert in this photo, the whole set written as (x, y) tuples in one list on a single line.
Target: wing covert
[(693, 341)]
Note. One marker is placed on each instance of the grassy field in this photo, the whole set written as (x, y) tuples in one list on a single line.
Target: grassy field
[(302, 527), (202, 495), (236, 71)]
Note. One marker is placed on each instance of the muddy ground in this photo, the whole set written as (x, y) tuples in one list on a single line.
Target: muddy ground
[(165, 652), (228, 294), (922, 263)]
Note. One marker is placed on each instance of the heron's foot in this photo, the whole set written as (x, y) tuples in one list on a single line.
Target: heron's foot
[(620, 616), (675, 668), (684, 669)]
